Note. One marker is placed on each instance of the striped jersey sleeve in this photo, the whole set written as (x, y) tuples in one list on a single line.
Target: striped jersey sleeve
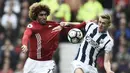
[(109, 45)]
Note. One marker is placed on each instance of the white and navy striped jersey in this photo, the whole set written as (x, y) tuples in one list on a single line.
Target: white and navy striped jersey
[(93, 43)]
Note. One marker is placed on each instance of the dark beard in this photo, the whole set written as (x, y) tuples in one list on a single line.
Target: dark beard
[(43, 22)]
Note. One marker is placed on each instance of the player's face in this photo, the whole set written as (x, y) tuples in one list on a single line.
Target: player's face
[(42, 17), (103, 24)]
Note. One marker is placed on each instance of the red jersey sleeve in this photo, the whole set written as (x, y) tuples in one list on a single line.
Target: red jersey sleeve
[(27, 34), (82, 25), (66, 29)]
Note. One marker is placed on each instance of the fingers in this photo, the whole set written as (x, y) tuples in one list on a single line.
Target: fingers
[(24, 49), (64, 24)]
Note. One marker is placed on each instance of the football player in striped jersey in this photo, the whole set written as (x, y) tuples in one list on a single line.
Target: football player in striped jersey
[(96, 40)]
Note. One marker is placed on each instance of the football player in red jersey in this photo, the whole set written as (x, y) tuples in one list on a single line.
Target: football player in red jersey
[(43, 41)]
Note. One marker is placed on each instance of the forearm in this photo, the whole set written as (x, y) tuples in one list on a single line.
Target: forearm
[(107, 63), (73, 24), (107, 66), (25, 40), (24, 43), (66, 24)]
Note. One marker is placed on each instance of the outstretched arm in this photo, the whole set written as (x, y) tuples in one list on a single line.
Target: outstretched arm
[(25, 39), (69, 25), (76, 24), (73, 24), (107, 64)]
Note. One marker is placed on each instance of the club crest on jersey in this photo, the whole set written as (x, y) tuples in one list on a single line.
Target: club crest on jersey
[(30, 26), (101, 41)]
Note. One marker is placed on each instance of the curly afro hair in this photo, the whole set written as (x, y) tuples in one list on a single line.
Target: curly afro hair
[(35, 8)]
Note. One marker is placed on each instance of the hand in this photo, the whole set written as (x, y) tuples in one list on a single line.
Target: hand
[(24, 48), (110, 72), (58, 28), (64, 24)]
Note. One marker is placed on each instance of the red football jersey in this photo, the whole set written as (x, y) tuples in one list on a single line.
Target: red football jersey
[(42, 41)]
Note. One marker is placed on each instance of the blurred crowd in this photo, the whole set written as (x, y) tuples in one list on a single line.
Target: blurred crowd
[(14, 18)]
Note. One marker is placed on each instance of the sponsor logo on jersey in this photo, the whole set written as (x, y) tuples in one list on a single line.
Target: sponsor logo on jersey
[(93, 43)]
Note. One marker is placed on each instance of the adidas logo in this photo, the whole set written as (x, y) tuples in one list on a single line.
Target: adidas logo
[(50, 26)]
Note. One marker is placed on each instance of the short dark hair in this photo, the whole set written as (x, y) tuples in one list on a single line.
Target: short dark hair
[(37, 7)]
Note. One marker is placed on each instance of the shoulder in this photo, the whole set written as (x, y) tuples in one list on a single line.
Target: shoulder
[(90, 24), (111, 41), (93, 22), (109, 36), (32, 24), (109, 44)]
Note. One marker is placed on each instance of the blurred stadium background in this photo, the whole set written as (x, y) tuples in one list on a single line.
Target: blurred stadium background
[(14, 18)]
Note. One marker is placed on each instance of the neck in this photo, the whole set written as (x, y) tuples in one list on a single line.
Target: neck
[(42, 23), (102, 31)]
